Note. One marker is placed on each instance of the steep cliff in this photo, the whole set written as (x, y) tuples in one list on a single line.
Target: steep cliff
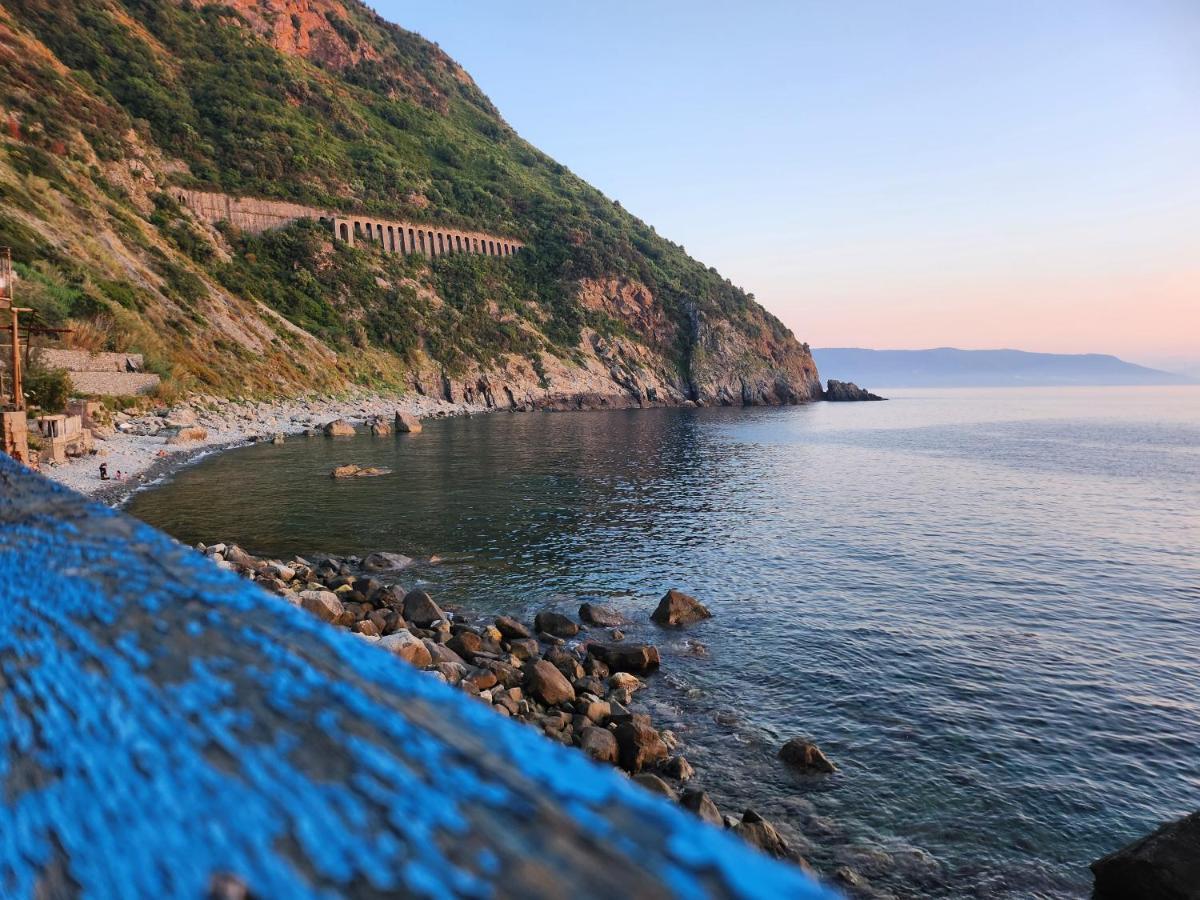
[(113, 108)]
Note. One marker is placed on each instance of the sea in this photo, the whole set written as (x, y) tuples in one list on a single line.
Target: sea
[(982, 604)]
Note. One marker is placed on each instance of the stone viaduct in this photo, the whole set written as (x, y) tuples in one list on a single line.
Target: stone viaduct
[(392, 235)]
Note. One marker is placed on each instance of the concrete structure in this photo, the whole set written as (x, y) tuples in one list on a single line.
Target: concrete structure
[(14, 436), (172, 730), (63, 436), (392, 235)]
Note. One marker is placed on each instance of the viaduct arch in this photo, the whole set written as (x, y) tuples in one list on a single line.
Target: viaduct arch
[(391, 235)]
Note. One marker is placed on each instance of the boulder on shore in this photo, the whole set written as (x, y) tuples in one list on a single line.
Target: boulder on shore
[(338, 428), (407, 423), (846, 392), (548, 684), (325, 605), (599, 744), (188, 434), (408, 647), (420, 609), (1163, 865), (806, 756), (556, 624), (678, 608)]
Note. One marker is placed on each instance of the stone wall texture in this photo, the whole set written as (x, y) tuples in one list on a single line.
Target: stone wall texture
[(113, 384), (393, 235), (83, 361)]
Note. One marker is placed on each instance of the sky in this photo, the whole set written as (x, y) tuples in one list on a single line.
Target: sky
[(893, 175)]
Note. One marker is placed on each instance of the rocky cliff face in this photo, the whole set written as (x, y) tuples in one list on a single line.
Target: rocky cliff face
[(724, 368)]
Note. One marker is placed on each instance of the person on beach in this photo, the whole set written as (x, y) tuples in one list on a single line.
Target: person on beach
[(104, 471), (119, 475)]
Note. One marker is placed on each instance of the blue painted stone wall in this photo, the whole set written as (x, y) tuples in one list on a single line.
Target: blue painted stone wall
[(165, 724)]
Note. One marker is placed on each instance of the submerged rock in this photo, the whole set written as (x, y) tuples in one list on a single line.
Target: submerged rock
[(1163, 865), (678, 608), (847, 391), (353, 471), (806, 756), (756, 830), (384, 562)]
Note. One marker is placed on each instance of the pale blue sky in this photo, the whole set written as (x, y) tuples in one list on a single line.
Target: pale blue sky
[(883, 174)]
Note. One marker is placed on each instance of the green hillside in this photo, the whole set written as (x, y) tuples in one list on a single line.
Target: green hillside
[(110, 102)]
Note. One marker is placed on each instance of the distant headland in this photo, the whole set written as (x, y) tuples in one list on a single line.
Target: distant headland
[(951, 367)]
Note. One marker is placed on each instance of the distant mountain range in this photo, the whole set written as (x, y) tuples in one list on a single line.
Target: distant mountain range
[(950, 367)]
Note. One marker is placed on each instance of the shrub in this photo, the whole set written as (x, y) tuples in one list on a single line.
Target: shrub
[(47, 389)]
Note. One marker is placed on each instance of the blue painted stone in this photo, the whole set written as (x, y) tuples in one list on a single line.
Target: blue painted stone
[(164, 723)]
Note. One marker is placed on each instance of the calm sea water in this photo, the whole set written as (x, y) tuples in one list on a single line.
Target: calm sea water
[(983, 604)]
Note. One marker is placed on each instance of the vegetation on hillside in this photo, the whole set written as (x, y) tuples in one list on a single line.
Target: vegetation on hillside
[(401, 131)]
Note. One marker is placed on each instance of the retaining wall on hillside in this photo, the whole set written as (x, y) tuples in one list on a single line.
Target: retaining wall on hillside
[(393, 235)]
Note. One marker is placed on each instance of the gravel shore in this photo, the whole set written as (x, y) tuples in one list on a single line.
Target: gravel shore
[(144, 448)]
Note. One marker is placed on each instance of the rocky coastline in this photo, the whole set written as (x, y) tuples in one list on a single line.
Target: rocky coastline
[(576, 679), (148, 444)]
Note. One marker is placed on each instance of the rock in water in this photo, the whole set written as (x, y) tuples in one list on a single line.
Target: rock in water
[(639, 744), (605, 616), (702, 805), (677, 608), (756, 830), (637, 658), (379, 427), (805, 755), (847, 391), (384, 562), (548, 684), (555, 624), (352, 471), (510, 629), (1164, 865), (406, 423), (420, 609), (339, 428)]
